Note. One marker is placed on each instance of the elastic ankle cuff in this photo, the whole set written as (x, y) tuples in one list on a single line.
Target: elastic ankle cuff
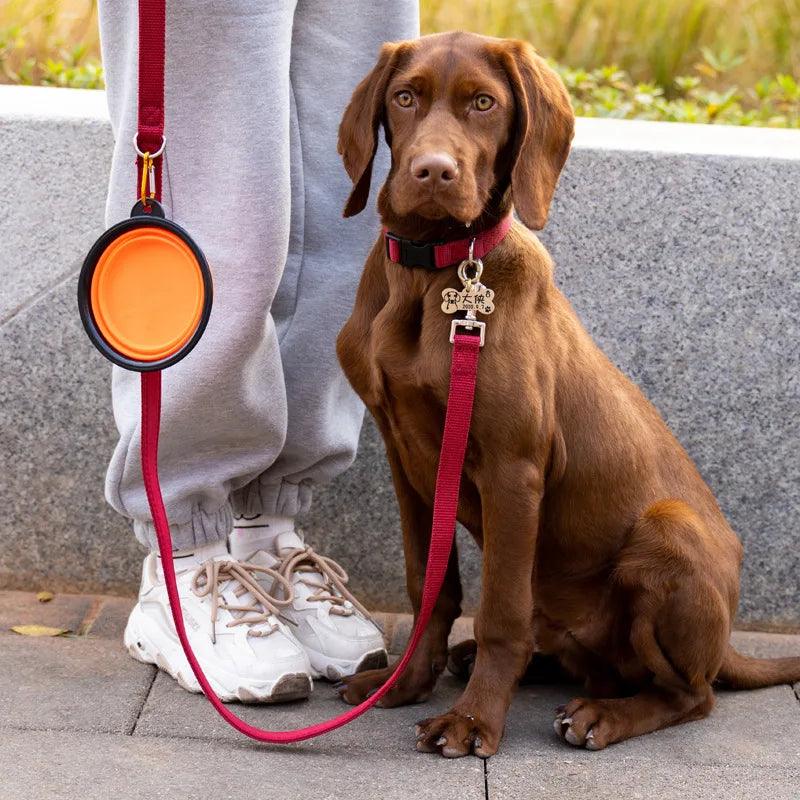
[(282, 499), (202, 528)]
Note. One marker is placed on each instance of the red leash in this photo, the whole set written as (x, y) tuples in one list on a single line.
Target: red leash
[(463, 372)]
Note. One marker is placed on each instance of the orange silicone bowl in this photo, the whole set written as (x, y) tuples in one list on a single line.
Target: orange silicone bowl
[(145, 293)]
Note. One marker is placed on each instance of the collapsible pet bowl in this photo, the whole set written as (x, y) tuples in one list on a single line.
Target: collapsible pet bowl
[(145, 291)]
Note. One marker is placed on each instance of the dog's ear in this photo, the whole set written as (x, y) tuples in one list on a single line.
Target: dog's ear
[(358, 130), (545, 124)]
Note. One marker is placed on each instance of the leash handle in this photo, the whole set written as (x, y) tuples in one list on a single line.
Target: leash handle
[(463, 374), (149, 139)]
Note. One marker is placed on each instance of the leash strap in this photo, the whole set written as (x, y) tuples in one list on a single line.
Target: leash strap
[(463, 374), (152, 56)]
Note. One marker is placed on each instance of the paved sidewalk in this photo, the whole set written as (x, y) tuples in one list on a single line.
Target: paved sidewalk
[(82, 720)]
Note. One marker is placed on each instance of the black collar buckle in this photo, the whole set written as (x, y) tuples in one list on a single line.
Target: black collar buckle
[(413, 254)]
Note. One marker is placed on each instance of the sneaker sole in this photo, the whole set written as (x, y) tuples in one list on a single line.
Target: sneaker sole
[(334, 669), (285, 688)]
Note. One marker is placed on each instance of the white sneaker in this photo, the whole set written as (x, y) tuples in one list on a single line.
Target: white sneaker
[(246, 653), (334, 629)]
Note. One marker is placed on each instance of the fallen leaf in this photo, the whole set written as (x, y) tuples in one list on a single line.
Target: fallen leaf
[(38, 630), (45, 597)]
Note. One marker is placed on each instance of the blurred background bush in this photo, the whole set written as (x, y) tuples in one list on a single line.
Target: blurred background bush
[(729, 61)]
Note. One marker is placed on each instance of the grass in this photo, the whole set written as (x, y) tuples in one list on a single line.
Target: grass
[(653, 40), (723, 61), (50, 42)]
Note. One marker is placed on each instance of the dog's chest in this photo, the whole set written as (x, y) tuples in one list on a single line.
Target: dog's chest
[(411, 397), (402, 377)]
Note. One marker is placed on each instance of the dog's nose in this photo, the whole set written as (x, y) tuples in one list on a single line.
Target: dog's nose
[(434, 169)]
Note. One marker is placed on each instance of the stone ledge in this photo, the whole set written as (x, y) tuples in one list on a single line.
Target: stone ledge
[(673, 242)]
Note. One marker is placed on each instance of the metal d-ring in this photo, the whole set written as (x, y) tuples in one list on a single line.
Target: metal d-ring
[(470, 261), (152, 155), (462, 270)]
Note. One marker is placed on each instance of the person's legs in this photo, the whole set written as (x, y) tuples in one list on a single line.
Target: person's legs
[(226, 180), (333, 47)]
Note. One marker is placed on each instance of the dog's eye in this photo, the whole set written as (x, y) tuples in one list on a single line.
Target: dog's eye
[(483, 102), (404, 99)]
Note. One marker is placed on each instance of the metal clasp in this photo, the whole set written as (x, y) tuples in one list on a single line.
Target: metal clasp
[(470, 325), (147, 190), (470, 261), (152, 155)]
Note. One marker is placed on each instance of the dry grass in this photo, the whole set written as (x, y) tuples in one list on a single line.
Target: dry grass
[(654, 40), (36, 36)]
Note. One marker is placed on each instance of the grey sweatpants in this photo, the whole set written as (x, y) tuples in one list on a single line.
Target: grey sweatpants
[(259, 412)]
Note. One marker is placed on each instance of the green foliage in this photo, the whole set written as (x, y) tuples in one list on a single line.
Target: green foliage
[(73, 70), (37, 43), (610, 92)]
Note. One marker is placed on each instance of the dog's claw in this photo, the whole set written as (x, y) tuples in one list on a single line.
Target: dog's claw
[(571, 737)]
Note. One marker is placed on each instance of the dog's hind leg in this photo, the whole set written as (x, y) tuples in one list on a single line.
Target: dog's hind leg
[(461, 659), (541, 669), (678, 634), (595, 724), (419, 679)]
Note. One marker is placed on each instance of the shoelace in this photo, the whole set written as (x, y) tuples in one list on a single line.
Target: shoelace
[(332, 589), (209, 577)]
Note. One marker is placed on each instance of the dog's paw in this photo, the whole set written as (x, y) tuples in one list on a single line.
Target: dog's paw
[(581, 724), (456, 734), (359, 687)]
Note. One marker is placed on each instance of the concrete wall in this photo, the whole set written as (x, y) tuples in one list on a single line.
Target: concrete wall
[(678, 246)]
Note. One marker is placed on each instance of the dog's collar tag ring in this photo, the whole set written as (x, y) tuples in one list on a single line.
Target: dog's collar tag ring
[(145, 290), (472, 299)]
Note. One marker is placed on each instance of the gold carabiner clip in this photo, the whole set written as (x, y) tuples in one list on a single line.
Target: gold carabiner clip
[(148, 187)]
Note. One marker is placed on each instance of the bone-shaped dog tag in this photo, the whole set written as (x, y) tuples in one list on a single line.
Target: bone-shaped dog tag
[(474, 297)]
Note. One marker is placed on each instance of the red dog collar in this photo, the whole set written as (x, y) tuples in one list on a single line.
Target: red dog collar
[(438, 255)]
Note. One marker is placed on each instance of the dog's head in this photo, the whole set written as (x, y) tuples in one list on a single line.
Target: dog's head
[(468, 118)]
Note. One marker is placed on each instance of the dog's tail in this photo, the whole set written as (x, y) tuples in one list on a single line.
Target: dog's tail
[(743, 672)]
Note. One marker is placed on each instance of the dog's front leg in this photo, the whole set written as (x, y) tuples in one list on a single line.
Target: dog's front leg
[(510, 496), (430, 658)]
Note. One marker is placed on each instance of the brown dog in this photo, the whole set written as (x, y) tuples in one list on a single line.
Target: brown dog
[(602, 546)]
